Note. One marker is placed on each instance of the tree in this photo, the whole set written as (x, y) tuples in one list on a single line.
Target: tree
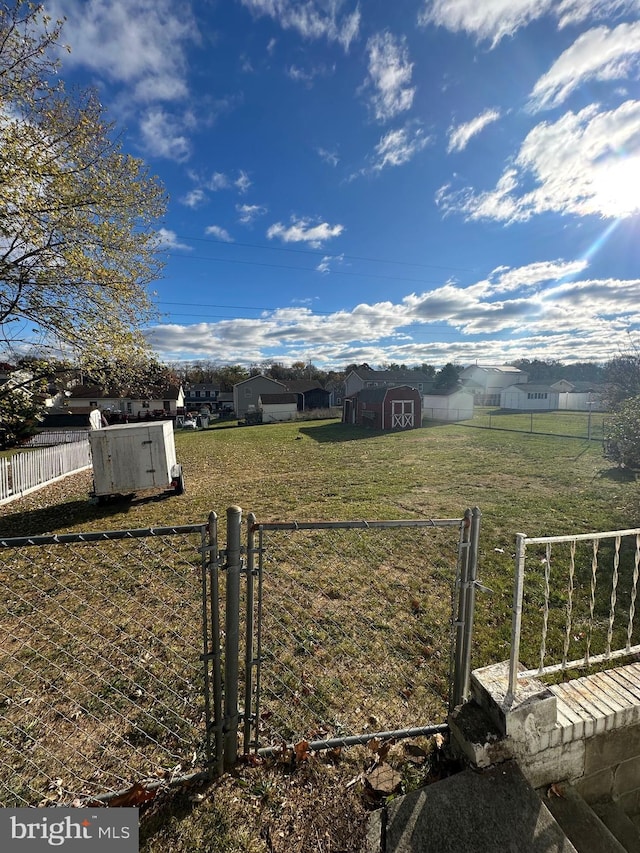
[(77, 241), (622, 379), (447, 379), (21, 405)]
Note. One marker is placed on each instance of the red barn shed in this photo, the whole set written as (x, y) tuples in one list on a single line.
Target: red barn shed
[(384, 408)]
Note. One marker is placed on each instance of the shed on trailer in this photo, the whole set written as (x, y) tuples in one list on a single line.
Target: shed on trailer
[(133, 457)]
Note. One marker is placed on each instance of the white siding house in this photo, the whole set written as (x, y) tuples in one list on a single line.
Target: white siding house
[(530, 397), (488, 381), (561, 395)]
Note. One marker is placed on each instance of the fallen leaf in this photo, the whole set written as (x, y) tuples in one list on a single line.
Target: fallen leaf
[(555, 791), (301, 750), (135, 796)]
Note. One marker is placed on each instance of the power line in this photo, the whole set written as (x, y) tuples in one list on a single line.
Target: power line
[(322, 254), (309, 269), (237, 307)]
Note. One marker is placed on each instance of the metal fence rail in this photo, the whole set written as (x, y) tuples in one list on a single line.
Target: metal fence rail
[(101, 677), (579, 597), (355, 627)]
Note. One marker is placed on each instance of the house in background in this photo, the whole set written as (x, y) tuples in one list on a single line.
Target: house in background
[(310, 395), (247, 393), (364, 377), (397, 408), (486, 382), (201, 395), (161, 403), (562, 395), (530, 397), (278, 407), (455, 405)]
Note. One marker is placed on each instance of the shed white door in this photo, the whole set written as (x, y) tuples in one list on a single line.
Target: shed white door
[(402, 414)]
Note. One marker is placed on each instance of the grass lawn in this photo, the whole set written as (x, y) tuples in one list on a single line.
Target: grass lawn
[(322, 470)]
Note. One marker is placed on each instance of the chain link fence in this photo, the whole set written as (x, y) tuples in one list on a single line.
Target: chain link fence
[(354, 628), (100, 662)]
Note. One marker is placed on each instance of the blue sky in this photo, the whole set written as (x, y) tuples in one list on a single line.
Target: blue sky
[(409, 181)]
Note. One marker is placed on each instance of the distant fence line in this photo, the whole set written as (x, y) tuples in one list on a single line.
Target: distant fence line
[(583, 425), (25, 472)]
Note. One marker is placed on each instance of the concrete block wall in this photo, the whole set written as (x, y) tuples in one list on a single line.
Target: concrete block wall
[(612, 768), (599, 752)]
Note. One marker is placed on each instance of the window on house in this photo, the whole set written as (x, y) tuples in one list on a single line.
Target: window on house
[(166, 405), (247, 392), (145, 404)]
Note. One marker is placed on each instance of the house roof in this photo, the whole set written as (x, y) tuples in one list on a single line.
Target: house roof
[(272, 399), (494, 368), (95, 392), (533, 386), (376, 395), (301, 386), (400, 376), (201, 386), (259, 376)]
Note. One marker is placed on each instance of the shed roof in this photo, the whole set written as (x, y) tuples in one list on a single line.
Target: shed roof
[(377, 395), (272, 399)]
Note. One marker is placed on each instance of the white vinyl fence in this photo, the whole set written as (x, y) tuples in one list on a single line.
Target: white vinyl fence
[(31, 470)]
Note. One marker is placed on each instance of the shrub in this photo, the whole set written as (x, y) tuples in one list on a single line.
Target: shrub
[(623, 438)]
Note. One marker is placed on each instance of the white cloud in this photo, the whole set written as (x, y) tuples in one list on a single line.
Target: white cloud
[(219, 233), (572, 12), (575, 167), (312, 19), (218, 181), (305, 231), (565, 319), (138, 43), (242, 182), (493, 20), (167, 239), (487, 20), (460, 136), (399, 146), (194, 198), (599, 54), (249, 212), (325, 264), (390, 75), (162, 135), (330, 157)]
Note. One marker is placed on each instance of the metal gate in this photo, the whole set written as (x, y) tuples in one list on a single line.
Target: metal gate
[(337, 632), (153, 656)]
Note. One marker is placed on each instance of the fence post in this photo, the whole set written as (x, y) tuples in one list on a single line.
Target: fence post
[(460, 604), (470, 595), (212, 656), (516, 622), (232, 637), (248, 661)]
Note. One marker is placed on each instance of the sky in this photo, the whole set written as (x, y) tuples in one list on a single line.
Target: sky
[(410, 181)]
